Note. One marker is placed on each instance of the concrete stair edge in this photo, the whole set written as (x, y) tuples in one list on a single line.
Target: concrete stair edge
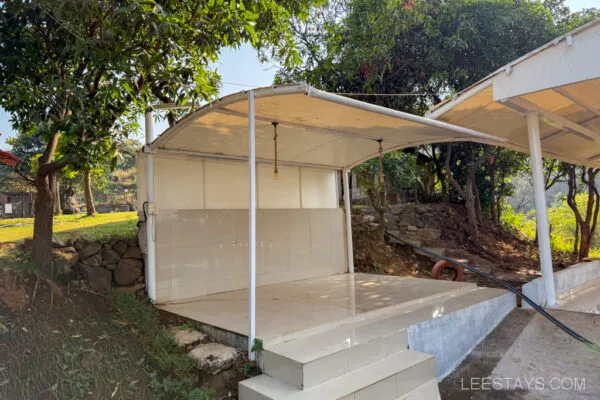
[(334, 357), (371, 381), (427, 391)]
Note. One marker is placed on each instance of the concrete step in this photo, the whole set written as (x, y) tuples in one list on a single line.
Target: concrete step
[(427, 391), (387, 379), (317, 358), (312, 359), (366, 358)]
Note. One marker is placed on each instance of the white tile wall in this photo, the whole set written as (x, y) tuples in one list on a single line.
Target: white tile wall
[(206, 251)]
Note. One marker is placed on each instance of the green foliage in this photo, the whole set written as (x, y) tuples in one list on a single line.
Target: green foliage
[(257, 346), (86, 69), (523, 224), (429, 47), (16, 258), (560, 218), (400, 170), (169, 389), (368, 185), (250, 369), (565, 19), (177, 379), (78, 73), (247, 369)]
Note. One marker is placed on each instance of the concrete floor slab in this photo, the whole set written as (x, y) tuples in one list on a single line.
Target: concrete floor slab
[(586, 300), (292, 308), (527, 357)]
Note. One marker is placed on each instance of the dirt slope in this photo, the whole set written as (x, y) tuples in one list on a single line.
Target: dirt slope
[(443, 228)]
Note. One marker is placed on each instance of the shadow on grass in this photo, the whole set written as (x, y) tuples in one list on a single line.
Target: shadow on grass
[(15, 257), (99, 232)]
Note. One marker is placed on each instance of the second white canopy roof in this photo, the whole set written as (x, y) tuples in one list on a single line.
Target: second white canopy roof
[(560, 82), (315, 128)]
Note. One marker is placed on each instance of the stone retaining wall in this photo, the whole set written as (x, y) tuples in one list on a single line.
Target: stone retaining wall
[(114, 263)]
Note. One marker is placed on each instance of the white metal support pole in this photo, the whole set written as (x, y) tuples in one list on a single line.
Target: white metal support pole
[(541, 212), (150, 209), (252, 230), (348, 209)]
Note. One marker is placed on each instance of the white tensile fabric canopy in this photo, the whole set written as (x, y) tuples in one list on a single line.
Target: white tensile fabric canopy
[(547, 101), (560, 82), (314, 128)]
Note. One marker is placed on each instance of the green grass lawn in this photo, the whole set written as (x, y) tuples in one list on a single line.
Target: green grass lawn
[(98, 227)]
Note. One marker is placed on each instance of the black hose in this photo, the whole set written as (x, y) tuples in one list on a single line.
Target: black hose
[(144, 204), (539, 309)]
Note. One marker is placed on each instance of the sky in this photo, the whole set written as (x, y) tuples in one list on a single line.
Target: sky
[(239, 70)]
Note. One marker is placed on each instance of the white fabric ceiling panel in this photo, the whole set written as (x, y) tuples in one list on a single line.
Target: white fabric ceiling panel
[(551, 81), (314, 128)]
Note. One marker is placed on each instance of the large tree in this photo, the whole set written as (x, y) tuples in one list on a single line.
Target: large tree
[(422, 48), (582, 179), (410, 54), (71, 70)]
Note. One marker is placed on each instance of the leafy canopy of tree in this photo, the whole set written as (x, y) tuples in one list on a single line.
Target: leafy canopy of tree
[(423, 51), (430, 47), (74, 71)]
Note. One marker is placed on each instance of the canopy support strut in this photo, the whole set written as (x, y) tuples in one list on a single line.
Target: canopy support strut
[(150, 220), (348, 209), (252, 225), (541, 212)]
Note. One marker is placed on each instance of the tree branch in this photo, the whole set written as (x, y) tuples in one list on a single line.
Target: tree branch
[(451, 179), (27, 178)]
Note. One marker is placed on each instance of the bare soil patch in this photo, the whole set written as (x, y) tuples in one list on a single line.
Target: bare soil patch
[(513, 260)]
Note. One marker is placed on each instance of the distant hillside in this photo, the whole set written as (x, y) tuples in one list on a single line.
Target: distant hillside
[(522, 201)]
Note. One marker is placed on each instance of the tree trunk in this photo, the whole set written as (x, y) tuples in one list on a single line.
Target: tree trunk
[(439, 171), (493, 208), (87, 190), (478, 211), (381, 228), (470, 204), (45, 180), (467, 194), (586, 222), (56, 194), (576, 243), (498, 209), (585, 241), (42, 224)]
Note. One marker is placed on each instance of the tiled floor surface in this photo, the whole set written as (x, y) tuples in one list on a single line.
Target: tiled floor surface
[(287, 308)]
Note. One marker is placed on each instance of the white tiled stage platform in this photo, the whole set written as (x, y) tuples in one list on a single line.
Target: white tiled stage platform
[(287, 309)]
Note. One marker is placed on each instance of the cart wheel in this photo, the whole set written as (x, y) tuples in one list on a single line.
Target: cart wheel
[(440, 265)]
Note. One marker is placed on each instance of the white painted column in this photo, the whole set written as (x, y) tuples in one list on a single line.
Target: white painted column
[(541, 212), (348, 209), (150, 209), (252, 225)]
